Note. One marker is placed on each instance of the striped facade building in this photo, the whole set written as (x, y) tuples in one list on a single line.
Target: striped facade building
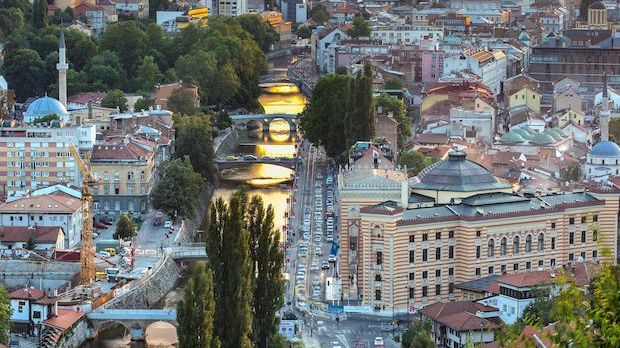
[(455, 222)]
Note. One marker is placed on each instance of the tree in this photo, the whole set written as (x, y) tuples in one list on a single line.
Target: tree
[(414, 161), (5, 316), (195, 311), (573, 172), (148, 75), (178, 188), (144, 103), (10, 19), (397, 108), (39, 14), (304, 32), (393, 83), (267, 263), (417, 335), (128, 41), (31, 243), (115, 99), (319, 14), (182, 101), (437, 5), (341, 70), (24, 68), (106, 72), (222, 120), (322, 120), (227, 247), (262, 32), (45, 119), (359, 28), (194, 140), (125, 228), (360, 117)]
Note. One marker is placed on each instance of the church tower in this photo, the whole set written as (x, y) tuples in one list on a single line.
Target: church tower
[(604, 114), (62, 67)]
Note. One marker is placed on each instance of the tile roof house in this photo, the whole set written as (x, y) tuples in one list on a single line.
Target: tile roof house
[(55, 326), (455, 323), (29, 308), (45, 237)]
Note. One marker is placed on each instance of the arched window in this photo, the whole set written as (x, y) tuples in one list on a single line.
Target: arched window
[(502, 247), (541, 242), (515, 245), (491, 248), (378, 278), (528, 243)]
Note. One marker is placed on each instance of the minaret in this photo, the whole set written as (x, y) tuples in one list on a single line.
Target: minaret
[(62, 67), (604, 114)]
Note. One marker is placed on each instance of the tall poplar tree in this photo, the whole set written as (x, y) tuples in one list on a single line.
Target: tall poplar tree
[(360, 119), (195, 311), (267, 262), (39, 14), (229, 258)]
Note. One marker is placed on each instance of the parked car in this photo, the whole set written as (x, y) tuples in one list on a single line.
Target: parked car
[(249, 158), (100, 225), (104, 254), (378, 342), (325, 265), (168, 224), (106, 221)]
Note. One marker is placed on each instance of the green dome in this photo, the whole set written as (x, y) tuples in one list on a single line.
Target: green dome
[(542, 139), (511, 138), (523, 133), (529, 130), (555, 135), (560, 132)]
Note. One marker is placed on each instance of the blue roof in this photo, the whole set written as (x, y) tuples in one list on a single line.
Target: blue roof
[(605, 149), (46, 106)]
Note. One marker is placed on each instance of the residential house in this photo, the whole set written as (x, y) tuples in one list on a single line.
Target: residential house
[(83, 99), (569, 98), (522, 91), (29, 308), (163, 92), (60, 208), (96, 16), (474, 125), (136, 8), (405, 34), (45, 237), (158, 119), (325, 41), (386, 127), (489, 66)]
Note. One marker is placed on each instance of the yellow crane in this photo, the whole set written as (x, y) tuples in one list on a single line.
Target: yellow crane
[(87, 254)]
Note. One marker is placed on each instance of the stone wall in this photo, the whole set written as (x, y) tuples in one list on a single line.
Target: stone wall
[(149, 292), (77, 335), (191, 225), (227, 144)]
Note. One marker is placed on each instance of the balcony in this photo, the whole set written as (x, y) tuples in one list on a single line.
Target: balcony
[(411, 283), (424, 281), (425, 244), (451, 241), (377, 267), (437, 280)]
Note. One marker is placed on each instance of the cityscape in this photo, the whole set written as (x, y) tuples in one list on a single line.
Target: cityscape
[(309, 173)]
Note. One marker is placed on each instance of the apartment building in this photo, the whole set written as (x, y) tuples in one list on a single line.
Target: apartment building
[(456, 222), (489, 66), (405, 34), (37, 156)]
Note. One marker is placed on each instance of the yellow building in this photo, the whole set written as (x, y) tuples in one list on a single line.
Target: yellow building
[(408, 253), (521, 91), (126, 171), (569, 115)]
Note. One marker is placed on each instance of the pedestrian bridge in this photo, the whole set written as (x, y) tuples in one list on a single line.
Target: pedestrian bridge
[(188, 252), (263, 121), (281, 161), (136, 321)]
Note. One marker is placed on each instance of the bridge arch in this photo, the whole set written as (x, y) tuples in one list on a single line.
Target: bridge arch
[(161, 333), (254, 125), (102, 327), (279, 124)]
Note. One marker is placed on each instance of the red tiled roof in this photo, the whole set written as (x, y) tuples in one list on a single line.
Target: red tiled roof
[(84, 7), (57, 202), (128, 151), (527, 279), (27, 294), (428, 138), (440, 309), (85, 97), (42, 234), (65, 318), (105, 3), (465, 321)]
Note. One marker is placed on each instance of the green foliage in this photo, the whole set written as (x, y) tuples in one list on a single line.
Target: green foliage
[(573, 172), (319, 14), (148, 75), (322, 120), (614, 129), (304, 32), (31, 243), (39, 14), (397, 108), (23, 68), (65, 16), (414, 161), (105, 72), (267, 262), (359, 28), (229, 258), (341, 70), (194, 140), (262, 32), (196, 309), (115, 99), (437, 5), (128, 41), (418, 335), (125, 228), (5, 316), (360, 117), (222, 120), (45, 119), (178, 188), (10, 19), (144, 103), (393, 83), (182, 101)]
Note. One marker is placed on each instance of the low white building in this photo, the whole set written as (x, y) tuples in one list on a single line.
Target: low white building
[(405, 34), (467, 123), (58, 208), (30, 308), (490, 66), (46, 238), (324, 45)]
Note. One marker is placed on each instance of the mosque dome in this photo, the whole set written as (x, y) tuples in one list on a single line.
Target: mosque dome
[(542, 139), (524, 36), (555, 135), (598, 6), (523, 133), (560, 132), (605, 149), (45, 106), (529, 130), (457, 174), (511, 138)]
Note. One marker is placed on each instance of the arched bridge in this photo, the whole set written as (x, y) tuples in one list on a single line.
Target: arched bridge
[(134, 320), (263, 121), (281, 161), (188, 251)]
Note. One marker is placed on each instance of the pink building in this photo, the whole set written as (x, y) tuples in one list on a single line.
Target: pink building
[(432, 65)]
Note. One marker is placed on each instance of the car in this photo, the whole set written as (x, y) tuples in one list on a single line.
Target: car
[(100, 225), (316, 293), (14, 343), (319, 176), (268, 159), (325, 265), (250, 158), (104, 254), (318, 184), (378, 342), (318, 252), (315, 266), (110, 251), (106, 221), (167, 223), (301, 305), (317, 238), (329, 238), (316, 281), (332, 258), (232, 158)]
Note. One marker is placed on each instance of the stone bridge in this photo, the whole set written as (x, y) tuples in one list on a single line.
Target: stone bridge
[(188, 252), (136, 321), (263, 121), (280, 161)]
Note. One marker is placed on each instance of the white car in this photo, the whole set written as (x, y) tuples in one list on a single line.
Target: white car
[(378, 342), (168, 224), (315, 265), (325, 265), (318, 252)]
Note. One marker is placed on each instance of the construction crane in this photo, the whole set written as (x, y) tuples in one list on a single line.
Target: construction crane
[(87, 254)]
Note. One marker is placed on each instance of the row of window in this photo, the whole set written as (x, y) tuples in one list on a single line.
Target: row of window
[(412, 291), (438, 236), (130, 175), (516, 246), (541, 264)]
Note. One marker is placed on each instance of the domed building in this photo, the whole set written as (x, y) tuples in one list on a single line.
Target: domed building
[(529, 142), (603, 161), (456, 178), (43, 107)]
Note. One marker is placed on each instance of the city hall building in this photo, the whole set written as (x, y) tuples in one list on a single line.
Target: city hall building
[(405, 242)]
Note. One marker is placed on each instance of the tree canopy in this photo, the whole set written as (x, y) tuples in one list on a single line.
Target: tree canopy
[(359, 28), (397, 108), (181, 101), (115, 99), (262, 32), (125, 228), (319, 14), (418, 335), (5, 316), (178, 188), (194, 140), (414, 161)]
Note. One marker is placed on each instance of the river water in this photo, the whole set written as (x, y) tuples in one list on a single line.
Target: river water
[(267, 180)]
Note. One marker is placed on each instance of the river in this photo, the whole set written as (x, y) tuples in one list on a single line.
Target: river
[(267, 180)]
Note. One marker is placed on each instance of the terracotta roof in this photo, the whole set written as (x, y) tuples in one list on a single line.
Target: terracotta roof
[(85, 97), (505, 157), (465, 321), (27, 294), (84, 7), (42, 234), (428, 138), (440, 309), (57, 202), (527, 279), (515, 84), (65, 318), (128, 151)]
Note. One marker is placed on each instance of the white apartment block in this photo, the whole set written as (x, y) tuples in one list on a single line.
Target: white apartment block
[(404, 34), (489, 66)]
